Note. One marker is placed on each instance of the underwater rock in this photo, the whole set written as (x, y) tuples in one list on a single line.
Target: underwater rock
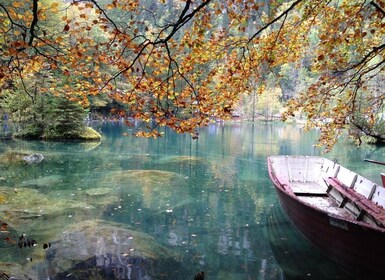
[(145, 176), (143, 180), (93, 192), (183, 159), (34, 219), (28, 210), (101, 198), (34, 158), (46, 214), (10, 270), (13, 157), (43, 181), (156, 187), (109, 250)]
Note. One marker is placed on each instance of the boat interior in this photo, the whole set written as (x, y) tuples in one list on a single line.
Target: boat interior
[(326, 185)]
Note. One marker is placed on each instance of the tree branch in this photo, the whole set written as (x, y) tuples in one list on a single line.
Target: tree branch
[(369, 56), (104, 13), (11, 20), (378, 8), (182, 20), (34, 22), (284, 13), (367, 131)]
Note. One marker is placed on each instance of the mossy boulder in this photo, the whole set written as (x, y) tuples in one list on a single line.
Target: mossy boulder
[(43, 216), (13, 157), (85, 134), (157, 188), (89, 133), (109, 250)]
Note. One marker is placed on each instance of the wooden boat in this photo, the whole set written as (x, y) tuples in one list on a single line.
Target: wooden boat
[(339, 211)]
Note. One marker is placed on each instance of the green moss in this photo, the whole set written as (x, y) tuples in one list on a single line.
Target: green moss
[(89, 133)]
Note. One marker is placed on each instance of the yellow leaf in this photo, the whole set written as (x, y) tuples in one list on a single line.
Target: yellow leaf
[(55, 5), (17, 4)]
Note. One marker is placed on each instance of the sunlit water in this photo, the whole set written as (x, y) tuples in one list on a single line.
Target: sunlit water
[(178, 206)]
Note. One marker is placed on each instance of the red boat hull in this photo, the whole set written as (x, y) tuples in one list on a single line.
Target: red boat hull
[(359, 249)]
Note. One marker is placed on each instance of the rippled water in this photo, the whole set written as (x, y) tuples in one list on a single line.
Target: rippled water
[(133, 208)]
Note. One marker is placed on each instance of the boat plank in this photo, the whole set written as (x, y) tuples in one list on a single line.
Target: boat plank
[(365, 187), (358, 200), (328, 205), (379, 196), (346, 176), (308, 188)]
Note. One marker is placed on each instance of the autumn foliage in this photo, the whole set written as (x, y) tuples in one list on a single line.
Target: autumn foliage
[(183, 63)]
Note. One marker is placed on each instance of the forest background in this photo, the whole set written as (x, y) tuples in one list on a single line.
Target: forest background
[(183, 64)]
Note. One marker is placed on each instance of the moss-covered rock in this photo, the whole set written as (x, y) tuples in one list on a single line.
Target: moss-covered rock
[(44, 215), (109, 250), (89, 133), (155, 187), (13, 157), (86, 134)]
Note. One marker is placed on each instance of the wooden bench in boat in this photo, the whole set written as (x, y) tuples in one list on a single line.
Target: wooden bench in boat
[(365, 205), (308, 189)]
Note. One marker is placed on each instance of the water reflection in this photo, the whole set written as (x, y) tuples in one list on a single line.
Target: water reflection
[(195, 205), (297, 257)]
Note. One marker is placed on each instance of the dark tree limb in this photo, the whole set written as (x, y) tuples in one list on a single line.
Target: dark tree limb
[(105, 15), (368, 132), (369, 56), (378, 7), (11, 20), (283, 14), (182, 20), (34, 22)]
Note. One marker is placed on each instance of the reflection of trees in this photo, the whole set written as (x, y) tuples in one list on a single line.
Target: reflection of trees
[(223, 173), (221, 218), (203, 198), (249, 140), (290, 132)]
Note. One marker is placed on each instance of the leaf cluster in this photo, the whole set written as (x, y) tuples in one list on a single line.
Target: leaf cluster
[(184, 63)]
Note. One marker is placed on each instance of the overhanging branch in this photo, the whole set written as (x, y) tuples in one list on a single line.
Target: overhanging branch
[(34, 22), (378, 8), (183, 19), (283, 14)]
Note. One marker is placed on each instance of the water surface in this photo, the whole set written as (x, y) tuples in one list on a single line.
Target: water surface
[(134, 208)]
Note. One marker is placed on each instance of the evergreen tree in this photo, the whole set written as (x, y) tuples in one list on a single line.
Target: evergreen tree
[(64, 119)]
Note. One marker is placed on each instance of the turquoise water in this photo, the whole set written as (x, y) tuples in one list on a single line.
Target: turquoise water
[(134, 208)]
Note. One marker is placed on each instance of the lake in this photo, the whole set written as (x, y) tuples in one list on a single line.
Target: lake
[(167, 208)]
